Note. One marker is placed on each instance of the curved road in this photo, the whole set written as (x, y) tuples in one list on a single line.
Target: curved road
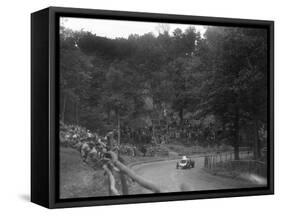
[(165, 174)]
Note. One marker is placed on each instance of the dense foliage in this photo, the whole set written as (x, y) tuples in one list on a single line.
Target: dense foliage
[(209, 88)]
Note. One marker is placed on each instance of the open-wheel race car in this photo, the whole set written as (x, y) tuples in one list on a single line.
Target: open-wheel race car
[(185, 163)]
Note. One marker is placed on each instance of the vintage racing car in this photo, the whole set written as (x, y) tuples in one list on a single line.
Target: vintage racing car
[(185, 163)]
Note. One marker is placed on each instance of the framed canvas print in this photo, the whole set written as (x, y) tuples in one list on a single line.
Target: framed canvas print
[(138, 107)]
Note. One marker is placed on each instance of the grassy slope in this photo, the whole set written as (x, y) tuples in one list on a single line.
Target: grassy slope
[(77, 179)]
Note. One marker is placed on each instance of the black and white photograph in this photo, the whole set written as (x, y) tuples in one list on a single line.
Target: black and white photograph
[(151, 107), (140, 108)]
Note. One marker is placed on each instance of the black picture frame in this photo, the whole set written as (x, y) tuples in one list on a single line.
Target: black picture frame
[(45, 106)]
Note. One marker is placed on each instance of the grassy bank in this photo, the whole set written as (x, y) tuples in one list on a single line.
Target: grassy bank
[(78, 180)]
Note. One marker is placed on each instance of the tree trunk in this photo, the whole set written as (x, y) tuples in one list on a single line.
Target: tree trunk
[(154, 138), (63, 108), (108, 116), (153, 133), (118, 128), (236, 134), (76, 113), (257, 152), (181, 115)]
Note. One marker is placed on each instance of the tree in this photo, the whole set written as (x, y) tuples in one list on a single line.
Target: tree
[(74, 77), (107, 83), (119, 95), (231, 86)]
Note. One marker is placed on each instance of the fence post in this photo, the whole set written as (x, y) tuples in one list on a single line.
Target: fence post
[(124, 185)]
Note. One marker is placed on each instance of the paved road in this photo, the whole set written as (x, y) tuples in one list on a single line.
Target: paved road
[(165, 174)]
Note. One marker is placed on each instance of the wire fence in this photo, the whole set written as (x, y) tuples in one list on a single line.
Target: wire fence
[(225, 162)]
